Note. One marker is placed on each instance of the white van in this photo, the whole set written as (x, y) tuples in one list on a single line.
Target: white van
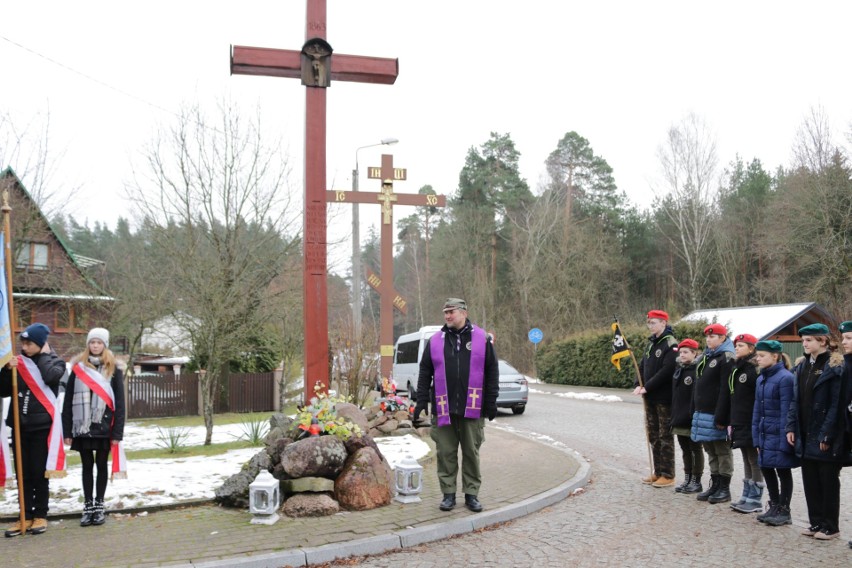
[(406, 357)]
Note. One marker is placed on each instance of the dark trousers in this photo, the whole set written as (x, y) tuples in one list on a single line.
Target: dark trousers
[(33, 463), (821, 481), (88, 459), (772, 476), (658, 418), (693, 456)]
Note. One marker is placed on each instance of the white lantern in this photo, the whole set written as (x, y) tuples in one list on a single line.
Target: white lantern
[(408, 480), (264, 494)]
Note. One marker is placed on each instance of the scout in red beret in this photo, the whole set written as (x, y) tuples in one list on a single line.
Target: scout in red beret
[(746, 338), (716, 329), (658, 314), (688, 343)]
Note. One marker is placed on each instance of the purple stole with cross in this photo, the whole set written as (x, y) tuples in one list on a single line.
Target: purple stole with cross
[(473, 406)]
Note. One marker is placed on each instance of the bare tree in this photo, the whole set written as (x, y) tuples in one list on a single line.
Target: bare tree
[(688, 163), (813, 147), (215, 196)]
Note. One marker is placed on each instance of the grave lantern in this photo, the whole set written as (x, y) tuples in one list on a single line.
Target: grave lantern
[(408, 480), (263, 499)]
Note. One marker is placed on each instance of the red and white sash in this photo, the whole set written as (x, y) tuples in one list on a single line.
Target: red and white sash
[(6, 469), (102, 388), (29, 372)]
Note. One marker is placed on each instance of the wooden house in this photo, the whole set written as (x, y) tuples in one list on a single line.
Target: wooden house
[(48, 283)]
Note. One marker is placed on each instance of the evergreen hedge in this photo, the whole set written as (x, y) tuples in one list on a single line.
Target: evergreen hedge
[(585, 359)]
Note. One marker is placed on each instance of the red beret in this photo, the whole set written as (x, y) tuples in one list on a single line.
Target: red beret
[(658, 314), (746, 338), (716, 328), (690, 343)]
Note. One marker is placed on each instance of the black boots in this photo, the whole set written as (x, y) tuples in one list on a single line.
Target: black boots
[(694, 485), (723, 493), (472, 503), (448, 503), (98, 517), (780, 517), (714, 486), (88, 510)]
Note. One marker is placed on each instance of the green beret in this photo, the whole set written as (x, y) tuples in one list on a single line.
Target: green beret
[(845, 327), (769, 345), (814, 329)]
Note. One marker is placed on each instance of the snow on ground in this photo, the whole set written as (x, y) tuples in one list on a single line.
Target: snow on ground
[(169, 480), (583, 395)]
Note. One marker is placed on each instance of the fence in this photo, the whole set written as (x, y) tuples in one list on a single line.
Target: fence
[(155, 395)]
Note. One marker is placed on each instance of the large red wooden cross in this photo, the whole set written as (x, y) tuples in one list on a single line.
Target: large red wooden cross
[(317, 67), (387, 173)]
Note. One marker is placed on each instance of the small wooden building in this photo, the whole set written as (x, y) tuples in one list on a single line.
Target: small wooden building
[(780, 321)]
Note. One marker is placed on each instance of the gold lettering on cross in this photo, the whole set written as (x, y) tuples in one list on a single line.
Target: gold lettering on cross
[(442, 403), (387, 197), (474, 397), (340, 195), (431, 200)]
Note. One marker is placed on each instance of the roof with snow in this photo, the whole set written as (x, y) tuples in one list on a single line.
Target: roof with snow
[(777, 321)]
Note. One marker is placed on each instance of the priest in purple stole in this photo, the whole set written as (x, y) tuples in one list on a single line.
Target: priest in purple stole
[(459, 376)]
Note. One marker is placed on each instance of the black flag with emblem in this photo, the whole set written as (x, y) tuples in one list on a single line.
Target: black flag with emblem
[(619, 346)]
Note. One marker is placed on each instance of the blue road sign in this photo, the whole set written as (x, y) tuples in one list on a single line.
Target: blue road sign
[(535, 335)]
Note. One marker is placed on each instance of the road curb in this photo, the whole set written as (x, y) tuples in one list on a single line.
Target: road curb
[(409, 538)]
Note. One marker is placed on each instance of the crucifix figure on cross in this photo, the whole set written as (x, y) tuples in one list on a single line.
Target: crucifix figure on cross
[(387, 173), (317, 66)]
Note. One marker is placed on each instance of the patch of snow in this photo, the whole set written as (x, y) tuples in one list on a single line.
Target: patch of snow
[(582, 395), (170, 480)]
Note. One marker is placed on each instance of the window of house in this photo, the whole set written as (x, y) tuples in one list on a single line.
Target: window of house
[(24, 315), (33, 256), (64, 317)]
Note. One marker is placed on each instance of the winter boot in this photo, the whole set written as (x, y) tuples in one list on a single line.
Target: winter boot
[(687, 479), (98, 517), (694, 485), (744, 497), (88, 510), (781, 517), (770, 510), (723, 494), (715, 480), (754, 503)]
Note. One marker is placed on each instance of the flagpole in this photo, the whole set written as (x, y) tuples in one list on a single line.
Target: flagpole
[(13, 403), (644, 409)]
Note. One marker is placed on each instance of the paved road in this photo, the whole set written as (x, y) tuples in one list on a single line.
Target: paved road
[(618, 521)]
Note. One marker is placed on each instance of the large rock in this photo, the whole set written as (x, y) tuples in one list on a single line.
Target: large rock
[(274, 450), (365, 483), (234, 492), (352, 413), (317, 456), (401, 415), (279, 420), (355, 443), (388, 426), (310, 505)]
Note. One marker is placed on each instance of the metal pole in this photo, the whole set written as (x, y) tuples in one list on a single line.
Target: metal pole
[(356, 260)]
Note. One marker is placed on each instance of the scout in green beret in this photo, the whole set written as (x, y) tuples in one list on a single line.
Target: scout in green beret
[(814, 330)]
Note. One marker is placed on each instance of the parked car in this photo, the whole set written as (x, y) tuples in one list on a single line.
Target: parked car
[(406, 357), (514, 390)]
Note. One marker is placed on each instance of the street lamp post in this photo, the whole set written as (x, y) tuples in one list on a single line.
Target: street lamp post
[(356, 245)]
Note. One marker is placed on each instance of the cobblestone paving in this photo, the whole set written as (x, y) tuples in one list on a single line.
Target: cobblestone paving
[(618, 521)]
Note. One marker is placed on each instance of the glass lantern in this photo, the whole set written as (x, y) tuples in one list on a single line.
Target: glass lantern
[(408, 480), (264, 496)]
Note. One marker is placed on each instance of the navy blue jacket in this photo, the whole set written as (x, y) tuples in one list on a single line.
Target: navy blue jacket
[(827, 423), (682, 384), (773, 397)]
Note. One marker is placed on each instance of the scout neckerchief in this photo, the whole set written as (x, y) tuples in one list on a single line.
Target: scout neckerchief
[(6, 470), (101, 387), (473, 405), (31, 375)]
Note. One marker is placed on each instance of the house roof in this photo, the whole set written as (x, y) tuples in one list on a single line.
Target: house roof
[(762, 321), (9, 172)]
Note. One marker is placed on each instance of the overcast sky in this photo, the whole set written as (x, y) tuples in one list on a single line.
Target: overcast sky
[(618, 73)]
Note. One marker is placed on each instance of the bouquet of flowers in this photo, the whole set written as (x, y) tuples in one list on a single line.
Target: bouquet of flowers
[(320, 417)]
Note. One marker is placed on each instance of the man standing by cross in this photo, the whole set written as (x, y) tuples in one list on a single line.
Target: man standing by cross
[(458, 371), (317, 68), (387, 173)]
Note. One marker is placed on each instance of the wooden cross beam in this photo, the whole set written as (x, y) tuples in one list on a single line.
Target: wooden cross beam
[(317, 66), (388, 199), (376, 284)]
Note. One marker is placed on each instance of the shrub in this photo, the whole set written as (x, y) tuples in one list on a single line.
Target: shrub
[(173, 439), (584, 359)]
